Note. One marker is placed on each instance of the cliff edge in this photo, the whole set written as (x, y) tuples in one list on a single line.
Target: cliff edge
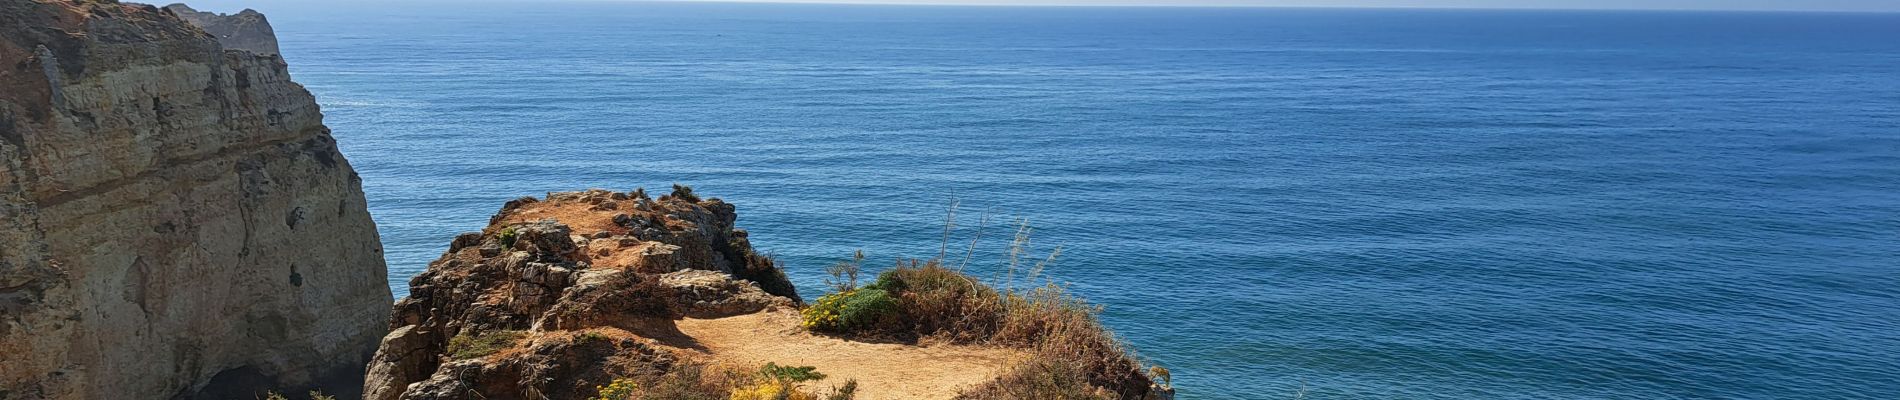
[(617, 267), (176, 220), (618, 295)]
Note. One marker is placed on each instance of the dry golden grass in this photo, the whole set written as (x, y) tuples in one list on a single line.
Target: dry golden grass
[(698, 381), (1075, 356)]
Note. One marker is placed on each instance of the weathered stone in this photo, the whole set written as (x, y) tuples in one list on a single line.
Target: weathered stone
[(547, 239), (563, 365), (175, 220), (658, 258), (708, 294), (529, 273), (406, 358)]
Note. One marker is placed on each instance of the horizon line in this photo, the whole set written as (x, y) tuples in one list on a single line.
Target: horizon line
[(998, 3)]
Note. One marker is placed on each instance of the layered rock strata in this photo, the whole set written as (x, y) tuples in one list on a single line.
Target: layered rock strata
[(175, 220), (586, 285)]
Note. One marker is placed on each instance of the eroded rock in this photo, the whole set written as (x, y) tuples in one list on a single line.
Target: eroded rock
[(529, 271), (175, 220)]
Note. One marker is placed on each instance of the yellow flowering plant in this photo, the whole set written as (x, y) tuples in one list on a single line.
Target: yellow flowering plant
[(620, 389)]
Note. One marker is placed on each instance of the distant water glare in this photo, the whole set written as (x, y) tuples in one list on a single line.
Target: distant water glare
[(1366, 204)]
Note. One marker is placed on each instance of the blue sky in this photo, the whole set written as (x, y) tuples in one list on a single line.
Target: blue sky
[(1804, 5), (1750, 5)]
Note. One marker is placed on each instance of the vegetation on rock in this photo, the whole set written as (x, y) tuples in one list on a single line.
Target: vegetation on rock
[(466, 346), (620, 389), (1074, 356), (794, 374), (581, 295)]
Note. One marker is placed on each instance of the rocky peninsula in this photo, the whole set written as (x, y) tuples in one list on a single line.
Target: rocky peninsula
[(563, 296), (178, 223)]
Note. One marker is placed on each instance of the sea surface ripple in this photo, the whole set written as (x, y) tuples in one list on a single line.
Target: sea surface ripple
[(1361, 203)]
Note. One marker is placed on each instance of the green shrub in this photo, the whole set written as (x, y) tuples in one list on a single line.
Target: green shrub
[(933, 300), (794, 374), (866, 307), (844, 275), (466, 346), (771, 390), (847, 392), (860, 309), (684, 193), (591, 336), (507, 237), (1075, 357), (619, 389)]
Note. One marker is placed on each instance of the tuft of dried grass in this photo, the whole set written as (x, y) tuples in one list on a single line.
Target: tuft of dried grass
[(466, 346), (690, 381), (1075, 356), (696, 381)]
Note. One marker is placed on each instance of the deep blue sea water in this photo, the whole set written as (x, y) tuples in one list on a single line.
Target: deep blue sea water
[(1364, 203)]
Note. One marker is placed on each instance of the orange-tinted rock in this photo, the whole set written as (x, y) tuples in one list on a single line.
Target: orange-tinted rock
[(595, 260)]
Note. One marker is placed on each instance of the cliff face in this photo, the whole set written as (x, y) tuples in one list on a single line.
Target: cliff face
[(590, 283), (175, 220)]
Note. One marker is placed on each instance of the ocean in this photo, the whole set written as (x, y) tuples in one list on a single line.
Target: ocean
[(1272, 203)]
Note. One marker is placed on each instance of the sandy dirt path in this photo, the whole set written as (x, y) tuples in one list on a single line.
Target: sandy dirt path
[(884, 371)]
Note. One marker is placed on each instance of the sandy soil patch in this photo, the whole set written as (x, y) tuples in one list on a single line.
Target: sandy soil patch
[(883, 370)]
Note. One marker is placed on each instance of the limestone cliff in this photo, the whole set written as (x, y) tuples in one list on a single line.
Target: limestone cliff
[(619, 267), (175, 220)]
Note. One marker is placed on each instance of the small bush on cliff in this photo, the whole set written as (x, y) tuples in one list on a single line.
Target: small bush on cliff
[(794, 374), (781, 383), (1075, 356), (694, 381), (591, 336), (466, 346), (620, 389), (684, 193), (1041, 378), (844, 274), (506, 237), (847, 392), (850, 311), (771, 390)]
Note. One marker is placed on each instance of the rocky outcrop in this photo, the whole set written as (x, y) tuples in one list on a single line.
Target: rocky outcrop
[(175, 220), (593, 281), (246, 30)]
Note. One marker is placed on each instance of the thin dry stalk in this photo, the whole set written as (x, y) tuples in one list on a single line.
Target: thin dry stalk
[(980, 224), (949, 223), (1037, 270), (1017, 247)]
